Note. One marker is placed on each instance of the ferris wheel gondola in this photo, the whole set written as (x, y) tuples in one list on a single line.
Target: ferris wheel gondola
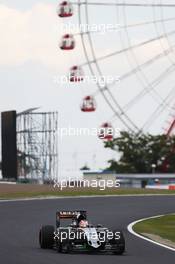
[(88, 104), (106, 132), (67, 42), (65, 9), (76, 74)]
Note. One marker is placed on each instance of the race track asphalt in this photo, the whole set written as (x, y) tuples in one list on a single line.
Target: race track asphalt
[(20, 222)]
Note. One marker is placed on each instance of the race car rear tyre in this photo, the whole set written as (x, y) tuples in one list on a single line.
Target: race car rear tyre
[(120, 243), (46, 237)]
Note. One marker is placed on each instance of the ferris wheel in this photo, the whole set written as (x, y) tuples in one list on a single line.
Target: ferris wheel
[(132, 44)]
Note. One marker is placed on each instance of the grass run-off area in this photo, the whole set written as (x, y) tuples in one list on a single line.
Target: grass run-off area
[(10, 191), (163, 227)]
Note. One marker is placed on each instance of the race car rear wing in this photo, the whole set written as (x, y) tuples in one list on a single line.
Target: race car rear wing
[(68, 215)]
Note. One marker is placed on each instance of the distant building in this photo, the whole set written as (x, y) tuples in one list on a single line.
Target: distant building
[(99, 175), (161, 181)]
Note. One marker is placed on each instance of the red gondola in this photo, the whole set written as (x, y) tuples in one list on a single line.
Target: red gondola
[(106, 132), (67, 42), (76, 74), (65, 9), (88, 105)]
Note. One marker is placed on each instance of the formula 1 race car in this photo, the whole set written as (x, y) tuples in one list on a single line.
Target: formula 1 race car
[(80, 236)]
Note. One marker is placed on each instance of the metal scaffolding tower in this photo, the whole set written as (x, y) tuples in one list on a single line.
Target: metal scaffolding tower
[(37, 144)]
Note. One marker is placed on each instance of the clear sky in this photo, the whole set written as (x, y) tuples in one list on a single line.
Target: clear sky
[(30, 60)]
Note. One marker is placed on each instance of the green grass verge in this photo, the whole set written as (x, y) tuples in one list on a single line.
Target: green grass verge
[(162, 226), (82, 192)]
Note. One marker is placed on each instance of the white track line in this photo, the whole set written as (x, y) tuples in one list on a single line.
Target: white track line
[(81, 196), (130, 229)]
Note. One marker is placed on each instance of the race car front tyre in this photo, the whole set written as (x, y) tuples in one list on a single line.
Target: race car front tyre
[(66, 247), (119, 251), (46, 237), (58, 246)]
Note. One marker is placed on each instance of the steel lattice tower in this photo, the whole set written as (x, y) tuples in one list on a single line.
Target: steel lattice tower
[(37, 144)]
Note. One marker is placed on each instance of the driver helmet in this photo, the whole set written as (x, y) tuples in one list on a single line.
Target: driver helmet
[(83, 223)]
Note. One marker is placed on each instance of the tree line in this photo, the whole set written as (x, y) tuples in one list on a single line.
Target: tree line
[(142, 153)]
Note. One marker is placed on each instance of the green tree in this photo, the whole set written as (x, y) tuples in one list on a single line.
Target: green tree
[(138, 153)]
